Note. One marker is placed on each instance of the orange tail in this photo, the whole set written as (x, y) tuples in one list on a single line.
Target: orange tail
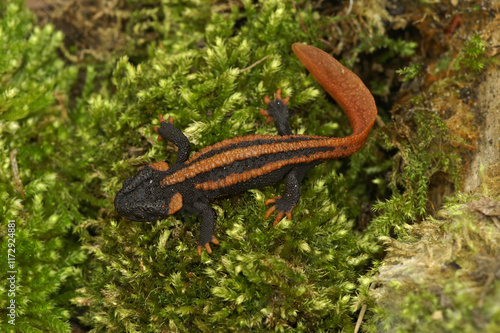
[(343, 85)]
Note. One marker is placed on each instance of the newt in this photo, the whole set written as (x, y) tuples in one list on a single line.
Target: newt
[(253, 161)]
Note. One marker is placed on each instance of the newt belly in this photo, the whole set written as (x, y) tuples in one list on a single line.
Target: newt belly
[(252, 161)]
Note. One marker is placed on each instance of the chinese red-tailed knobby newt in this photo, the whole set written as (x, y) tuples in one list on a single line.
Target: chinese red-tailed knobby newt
[(252, 161)]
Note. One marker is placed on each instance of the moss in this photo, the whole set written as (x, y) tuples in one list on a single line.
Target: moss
[(473, 56), (208, 65), (439, 274), (30, 69), (34, 194), (447, 279), (147, 277), (410, 72), (423, 150)]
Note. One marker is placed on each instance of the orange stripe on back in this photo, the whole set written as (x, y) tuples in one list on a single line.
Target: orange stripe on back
[(238, 154), (236, 178), (239, 139)]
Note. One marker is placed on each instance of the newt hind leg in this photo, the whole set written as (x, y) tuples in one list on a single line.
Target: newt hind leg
[(278, 112), (284, 205)]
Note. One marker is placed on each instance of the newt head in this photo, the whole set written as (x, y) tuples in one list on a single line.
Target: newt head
[(142, 199)]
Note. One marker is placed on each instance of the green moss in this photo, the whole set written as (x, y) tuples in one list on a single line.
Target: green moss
[(302, 275), (209, 65), (34, 193), (445, 280), (389, 48), (409, 72), (422, 151), (30, 70), (467, 59), (147, 276), (473, 56)]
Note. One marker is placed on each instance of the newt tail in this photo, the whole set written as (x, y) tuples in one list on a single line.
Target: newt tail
[(254, 161), (345, 87)]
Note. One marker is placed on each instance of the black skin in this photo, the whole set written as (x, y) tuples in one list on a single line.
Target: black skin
[(142, 198)]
